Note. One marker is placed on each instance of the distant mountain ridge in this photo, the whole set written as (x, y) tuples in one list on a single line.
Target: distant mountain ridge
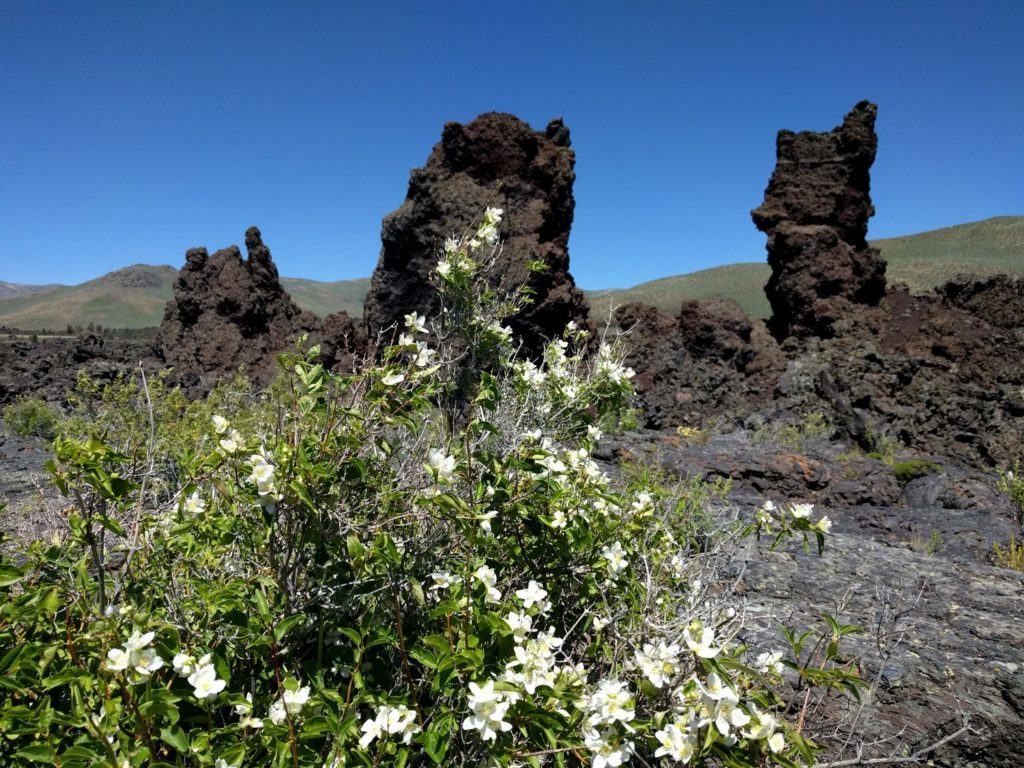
[(134, 297)]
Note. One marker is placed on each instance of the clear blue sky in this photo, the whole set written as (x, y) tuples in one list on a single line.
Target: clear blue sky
[(132, 131)]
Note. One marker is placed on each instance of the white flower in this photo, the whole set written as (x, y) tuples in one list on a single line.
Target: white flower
[(117, 660), (442, 465), (762, 725), (717, 689), (727, 716), (678, 743), (609, 703), (558, 519), (263, 474), (485, 519), (276, 714), (487, 711), (769, 663), (486, 576), (371, 730), (231, 443), (616, 558), (416, 323), (606, 753), (194, 504), (206, 683), (658, 662), (777, 742), (220, 424), (700, 640), (532, 595), (600, 622), (593, 433), (801, 511), (392, 379), (444, 267), (399, 720), (246, 707), (146, 662), (824, 525), (138, 641), (443, 579), (294, 701), (520, 624)]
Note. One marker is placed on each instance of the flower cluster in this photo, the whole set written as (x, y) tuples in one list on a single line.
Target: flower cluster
[(136, 657)]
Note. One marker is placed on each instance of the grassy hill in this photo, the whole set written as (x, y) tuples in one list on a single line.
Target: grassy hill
[(134, 297), (10, 290), (324, 298), (922, 261)]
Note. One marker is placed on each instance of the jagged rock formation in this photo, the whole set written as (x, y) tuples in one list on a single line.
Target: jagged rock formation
[(709, 360), (495, 160), (229, 312), (924, 372), (815, 213)]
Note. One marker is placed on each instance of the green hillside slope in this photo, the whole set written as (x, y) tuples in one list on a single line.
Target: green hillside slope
[(922, 261), (134, 297)]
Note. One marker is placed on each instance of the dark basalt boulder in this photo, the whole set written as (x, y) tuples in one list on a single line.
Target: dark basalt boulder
[(229, 313), (999, 299), (496, 160), (707, 363), (343, 343), (815, 213)]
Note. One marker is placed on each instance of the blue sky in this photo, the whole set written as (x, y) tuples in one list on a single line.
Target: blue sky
[(132, 131)]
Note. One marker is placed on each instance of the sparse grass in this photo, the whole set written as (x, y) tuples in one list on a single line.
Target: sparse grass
[(797, 435), (1010, 556), (31, 417), (930, 545)]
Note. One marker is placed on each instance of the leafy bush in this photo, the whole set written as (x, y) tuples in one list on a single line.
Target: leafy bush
[(31, 417), (912, 469), (417, 564)]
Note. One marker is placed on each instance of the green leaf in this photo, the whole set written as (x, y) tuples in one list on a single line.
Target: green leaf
[(37, 753), (286, 625), (176, 738), (9, 575)]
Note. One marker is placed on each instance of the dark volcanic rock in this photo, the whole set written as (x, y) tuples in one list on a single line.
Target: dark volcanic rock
[(913, 560), (228, 312), (815, 213), (998, 300), (496, 160), (48, 367), (709, 362), (933, 377), (343, 343)]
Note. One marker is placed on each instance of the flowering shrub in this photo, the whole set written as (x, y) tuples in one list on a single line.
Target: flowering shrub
[(418, 564)]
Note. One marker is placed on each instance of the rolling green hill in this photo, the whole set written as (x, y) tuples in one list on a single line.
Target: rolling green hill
[(134, 297), (922, 261)]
